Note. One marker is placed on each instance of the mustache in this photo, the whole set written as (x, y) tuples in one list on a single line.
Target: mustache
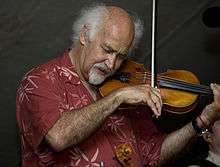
[(104, 67)]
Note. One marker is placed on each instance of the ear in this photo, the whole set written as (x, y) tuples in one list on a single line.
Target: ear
[(84, 35), (208, 137)]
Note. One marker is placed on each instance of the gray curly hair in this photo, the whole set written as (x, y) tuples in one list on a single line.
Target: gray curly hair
[(92, 17)]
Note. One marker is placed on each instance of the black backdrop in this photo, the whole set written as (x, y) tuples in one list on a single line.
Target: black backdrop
[(34, 31)]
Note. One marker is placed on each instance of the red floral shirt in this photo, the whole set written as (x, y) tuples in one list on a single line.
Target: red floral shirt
[(52, 88)]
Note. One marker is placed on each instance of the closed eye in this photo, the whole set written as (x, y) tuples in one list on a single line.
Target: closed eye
[(109, 50)]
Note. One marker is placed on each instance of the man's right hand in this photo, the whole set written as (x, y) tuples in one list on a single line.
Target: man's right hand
[(142, 94)]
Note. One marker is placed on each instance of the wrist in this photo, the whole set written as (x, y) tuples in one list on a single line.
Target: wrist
[(118, 97), (199, 126)]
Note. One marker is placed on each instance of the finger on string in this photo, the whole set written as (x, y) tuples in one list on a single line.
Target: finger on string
[(213, 85), (217, 86)]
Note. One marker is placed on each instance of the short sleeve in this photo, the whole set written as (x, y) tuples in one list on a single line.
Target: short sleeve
[(149, 139), (38, 103)]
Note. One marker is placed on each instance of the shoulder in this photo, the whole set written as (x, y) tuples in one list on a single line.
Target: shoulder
[(44, 72), (52, 70), (51, 65)]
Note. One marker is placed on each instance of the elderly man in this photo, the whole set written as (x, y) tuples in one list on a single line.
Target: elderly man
[(62, 120)]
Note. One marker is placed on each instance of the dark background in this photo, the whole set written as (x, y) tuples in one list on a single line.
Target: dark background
[(34, 31)]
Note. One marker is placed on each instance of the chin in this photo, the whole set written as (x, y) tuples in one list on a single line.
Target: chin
[(97, 79)]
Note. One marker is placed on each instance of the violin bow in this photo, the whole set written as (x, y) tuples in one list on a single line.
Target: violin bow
[(153, 46)]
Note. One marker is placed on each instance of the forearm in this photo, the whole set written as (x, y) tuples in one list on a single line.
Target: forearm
[(75, 126), (177, 143)]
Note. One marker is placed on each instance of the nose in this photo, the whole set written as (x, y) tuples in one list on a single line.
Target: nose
[(111, 61)]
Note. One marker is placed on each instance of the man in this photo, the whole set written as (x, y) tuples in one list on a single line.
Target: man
[(63, 122)]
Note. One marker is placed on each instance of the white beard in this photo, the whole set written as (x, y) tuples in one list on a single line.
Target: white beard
[(95, 78)]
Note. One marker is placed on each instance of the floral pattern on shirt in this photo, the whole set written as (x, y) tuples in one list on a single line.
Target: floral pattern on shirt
[(54, 88)]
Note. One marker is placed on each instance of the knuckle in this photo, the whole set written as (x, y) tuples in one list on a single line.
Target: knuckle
[(147, 93)]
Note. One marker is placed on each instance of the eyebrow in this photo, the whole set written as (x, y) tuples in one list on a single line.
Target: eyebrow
[(105, 45), (108, 47)]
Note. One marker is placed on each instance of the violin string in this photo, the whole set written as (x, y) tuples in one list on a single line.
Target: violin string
[(179, 81), (196, 90), (164, 77), (185, 85), (196, 87)]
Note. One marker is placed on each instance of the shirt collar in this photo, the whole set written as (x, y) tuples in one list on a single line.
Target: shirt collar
[(67, 70)]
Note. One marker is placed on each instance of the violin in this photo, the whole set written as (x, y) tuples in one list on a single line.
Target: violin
[(180, 89)]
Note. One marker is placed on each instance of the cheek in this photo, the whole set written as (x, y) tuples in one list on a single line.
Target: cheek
[(92, 58)]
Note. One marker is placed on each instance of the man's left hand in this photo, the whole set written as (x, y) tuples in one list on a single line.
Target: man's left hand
[(212, 111)]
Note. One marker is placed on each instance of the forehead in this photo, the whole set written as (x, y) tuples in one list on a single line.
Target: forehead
[(117, 35)]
